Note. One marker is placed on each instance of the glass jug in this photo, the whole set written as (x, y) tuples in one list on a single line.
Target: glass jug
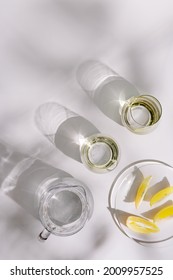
[(61, 203)]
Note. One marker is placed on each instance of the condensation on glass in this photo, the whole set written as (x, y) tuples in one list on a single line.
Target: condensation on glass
[(119, 99), (77, 138), (61, 203)]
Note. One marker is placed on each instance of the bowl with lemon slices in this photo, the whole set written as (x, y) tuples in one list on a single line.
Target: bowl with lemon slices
[(141, 202)]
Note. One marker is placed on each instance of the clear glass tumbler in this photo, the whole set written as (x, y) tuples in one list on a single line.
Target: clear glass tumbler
[(77, 137), (61, 203), (119, 99)]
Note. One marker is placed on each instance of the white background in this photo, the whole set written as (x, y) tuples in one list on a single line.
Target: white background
[(41, 44)]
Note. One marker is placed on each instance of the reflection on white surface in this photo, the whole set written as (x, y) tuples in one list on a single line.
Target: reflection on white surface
[(42, 43)]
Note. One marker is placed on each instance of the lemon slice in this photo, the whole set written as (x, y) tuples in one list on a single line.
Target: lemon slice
[(160, 195), (142, 191), (141, 225), (164, 213)]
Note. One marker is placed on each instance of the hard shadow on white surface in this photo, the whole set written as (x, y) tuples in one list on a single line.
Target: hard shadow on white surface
[(64, 128), (42, 43), (96, 79)]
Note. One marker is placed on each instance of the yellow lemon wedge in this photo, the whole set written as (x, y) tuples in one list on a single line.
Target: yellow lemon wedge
[(164, 213), (161, 195), (142, 191), (141, 225)]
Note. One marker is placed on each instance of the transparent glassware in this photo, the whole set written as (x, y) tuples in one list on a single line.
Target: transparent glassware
[(77, 138), (122, 201), (119, 99), (61, 203)]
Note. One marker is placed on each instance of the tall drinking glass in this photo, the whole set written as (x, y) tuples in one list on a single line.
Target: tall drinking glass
[(77, 137), (119, 99)]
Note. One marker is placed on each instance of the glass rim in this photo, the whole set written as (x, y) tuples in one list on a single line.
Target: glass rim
[(141, 126), (113, 160), (72, 227)]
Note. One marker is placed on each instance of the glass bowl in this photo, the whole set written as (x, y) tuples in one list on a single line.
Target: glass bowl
[(122, 200)]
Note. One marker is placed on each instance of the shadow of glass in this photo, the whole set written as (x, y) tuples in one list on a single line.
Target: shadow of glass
[(20, 176), (65, 129), (25, 191), (70, 132), (8, 160), (108, 90)]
